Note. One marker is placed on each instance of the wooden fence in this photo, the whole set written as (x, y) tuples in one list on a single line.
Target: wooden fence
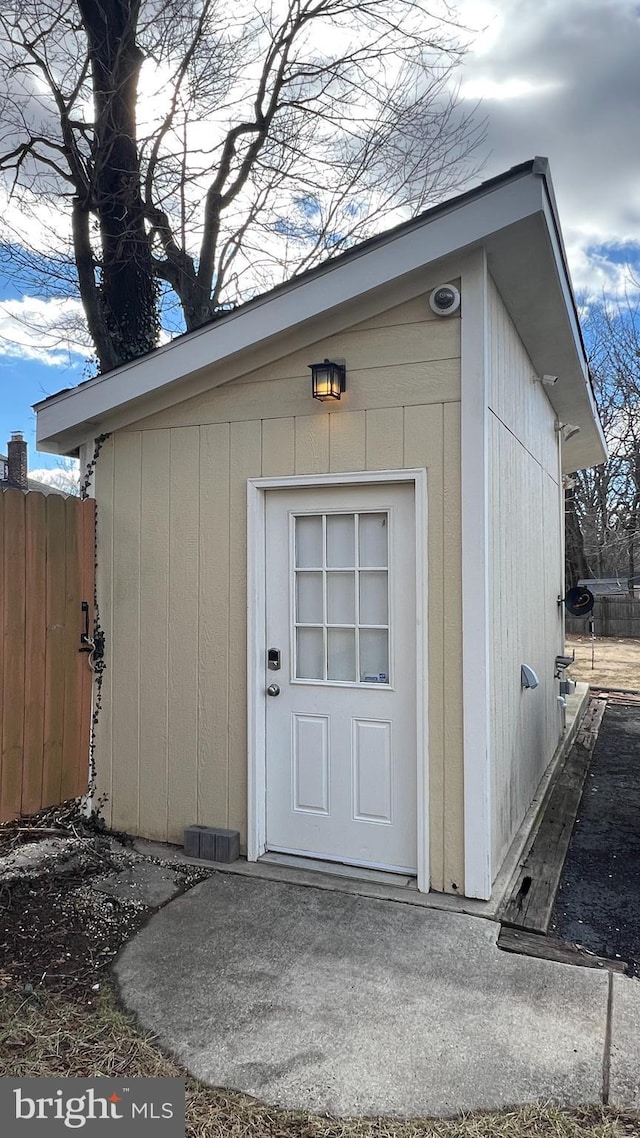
[(46, 572), (613, 616)]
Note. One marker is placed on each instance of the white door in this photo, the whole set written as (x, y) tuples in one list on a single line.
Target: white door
[(341, 717)]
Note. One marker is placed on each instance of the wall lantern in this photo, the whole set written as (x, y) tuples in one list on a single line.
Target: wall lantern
[(328, 380), (568, 430)]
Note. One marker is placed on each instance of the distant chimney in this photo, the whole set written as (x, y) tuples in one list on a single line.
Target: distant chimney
[(17, 461)]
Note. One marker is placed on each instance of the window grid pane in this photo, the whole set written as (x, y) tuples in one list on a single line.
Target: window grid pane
[(309, 543), (374, 604), (372, 543), (341, 603), (341, 552), (341, 654), (309, 652), (341, 606), (309, 598)]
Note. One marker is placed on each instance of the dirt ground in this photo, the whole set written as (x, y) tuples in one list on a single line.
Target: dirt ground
[(59, 934), (616, 661)]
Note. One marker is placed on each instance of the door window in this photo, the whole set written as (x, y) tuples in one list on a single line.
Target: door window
[(341, 598)]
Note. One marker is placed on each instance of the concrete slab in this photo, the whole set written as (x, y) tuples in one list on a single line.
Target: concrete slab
[(624, 1069), (343, 1004), (296, 871), (144, 882)]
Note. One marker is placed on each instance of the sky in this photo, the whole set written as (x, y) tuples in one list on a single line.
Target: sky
[(558, 78)]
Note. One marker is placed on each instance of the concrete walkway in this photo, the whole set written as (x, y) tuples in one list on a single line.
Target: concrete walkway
[(342, 1004)]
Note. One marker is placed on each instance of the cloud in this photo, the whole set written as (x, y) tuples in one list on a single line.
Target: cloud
[(599, 270), (65, 477), (494, 89), (31, 220), (562, 81), (556, 78), (51, 331)]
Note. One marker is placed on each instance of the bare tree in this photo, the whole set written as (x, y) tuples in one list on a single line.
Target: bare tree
[(603, 508), (575, 561), (64, 476), (206, 151)]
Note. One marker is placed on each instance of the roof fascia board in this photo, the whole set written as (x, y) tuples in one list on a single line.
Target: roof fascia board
[(557, 246), (428, 240), (565, 284), (572, 316)]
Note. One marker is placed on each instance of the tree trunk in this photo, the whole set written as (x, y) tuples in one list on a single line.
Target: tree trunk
[(128, 292), (576, 568)]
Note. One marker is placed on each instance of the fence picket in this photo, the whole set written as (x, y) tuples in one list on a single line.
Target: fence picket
[(35, 645), (72, 657), (14, 632), (54, 674)]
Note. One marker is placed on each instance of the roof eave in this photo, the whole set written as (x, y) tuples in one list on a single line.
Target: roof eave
[(513, 217), (64, 418)]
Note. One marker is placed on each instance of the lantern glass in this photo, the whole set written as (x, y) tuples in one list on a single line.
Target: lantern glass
[(327, 380)]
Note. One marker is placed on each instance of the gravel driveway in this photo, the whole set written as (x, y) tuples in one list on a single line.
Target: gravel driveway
[(598, 902)]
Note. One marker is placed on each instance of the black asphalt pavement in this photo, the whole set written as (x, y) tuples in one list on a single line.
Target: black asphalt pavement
[(598, 902)]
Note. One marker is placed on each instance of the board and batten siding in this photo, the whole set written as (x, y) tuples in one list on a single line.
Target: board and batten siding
[(525, 574), (171, 744)]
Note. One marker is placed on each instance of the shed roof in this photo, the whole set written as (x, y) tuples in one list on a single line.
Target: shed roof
[(513, 216), (605, 586)]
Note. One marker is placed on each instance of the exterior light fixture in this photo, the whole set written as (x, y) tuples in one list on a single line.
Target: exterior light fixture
[(568, 430), (328, 380)]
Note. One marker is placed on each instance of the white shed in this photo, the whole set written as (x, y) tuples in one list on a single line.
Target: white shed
[(316, 612)]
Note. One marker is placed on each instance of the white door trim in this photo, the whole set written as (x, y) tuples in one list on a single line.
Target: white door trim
[(256, 604)]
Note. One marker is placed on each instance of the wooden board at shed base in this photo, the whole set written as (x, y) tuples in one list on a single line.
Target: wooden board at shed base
[(545, 948), (530, 901)]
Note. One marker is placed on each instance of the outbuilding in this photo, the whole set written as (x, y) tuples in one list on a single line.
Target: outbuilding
[(316, 610)]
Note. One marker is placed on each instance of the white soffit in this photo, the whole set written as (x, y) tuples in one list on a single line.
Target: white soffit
[(541, 307)]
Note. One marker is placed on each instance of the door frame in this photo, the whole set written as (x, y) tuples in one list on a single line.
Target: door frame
[(257, 490)]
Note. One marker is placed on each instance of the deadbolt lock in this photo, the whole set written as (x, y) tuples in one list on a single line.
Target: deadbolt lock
[(273, 659)]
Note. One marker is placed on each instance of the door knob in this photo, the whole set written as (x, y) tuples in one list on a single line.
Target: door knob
[(273, 689)]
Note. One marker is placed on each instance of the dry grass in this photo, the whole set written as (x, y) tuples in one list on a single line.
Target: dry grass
[(52, 1036), (616, 661)]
